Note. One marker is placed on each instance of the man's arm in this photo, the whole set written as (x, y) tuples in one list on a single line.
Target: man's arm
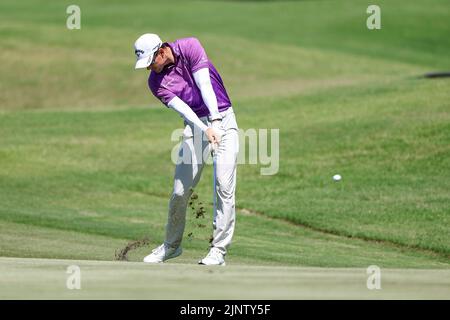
[(183, 109), (203, 82)]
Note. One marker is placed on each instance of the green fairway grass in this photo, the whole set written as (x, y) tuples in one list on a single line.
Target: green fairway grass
[(47, 279), (85, 149)]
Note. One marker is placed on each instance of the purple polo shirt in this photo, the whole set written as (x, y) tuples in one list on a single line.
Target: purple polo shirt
[(177, 79)]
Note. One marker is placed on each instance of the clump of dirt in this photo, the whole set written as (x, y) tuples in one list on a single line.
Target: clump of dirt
[(198, 211), (122, 254)]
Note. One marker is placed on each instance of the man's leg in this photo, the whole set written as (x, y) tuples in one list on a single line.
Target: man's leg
[(226, 159), (187, 174)]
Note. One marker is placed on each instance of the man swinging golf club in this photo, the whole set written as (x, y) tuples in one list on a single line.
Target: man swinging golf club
[(184, 79)]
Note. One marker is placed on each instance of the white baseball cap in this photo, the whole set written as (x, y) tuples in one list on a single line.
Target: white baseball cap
[(145, 48)]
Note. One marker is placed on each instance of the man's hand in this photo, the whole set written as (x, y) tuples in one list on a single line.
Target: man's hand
[(214, 133), (213, 137)]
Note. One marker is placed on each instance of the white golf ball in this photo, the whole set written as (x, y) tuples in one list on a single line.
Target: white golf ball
[(337, 177)]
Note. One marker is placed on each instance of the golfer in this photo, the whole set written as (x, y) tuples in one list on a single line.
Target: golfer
[(185, 80)]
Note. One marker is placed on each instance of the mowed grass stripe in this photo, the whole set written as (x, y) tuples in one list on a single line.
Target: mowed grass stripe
[(258, 241)]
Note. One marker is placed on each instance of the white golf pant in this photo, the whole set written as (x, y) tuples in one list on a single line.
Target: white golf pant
[(192, 155)]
